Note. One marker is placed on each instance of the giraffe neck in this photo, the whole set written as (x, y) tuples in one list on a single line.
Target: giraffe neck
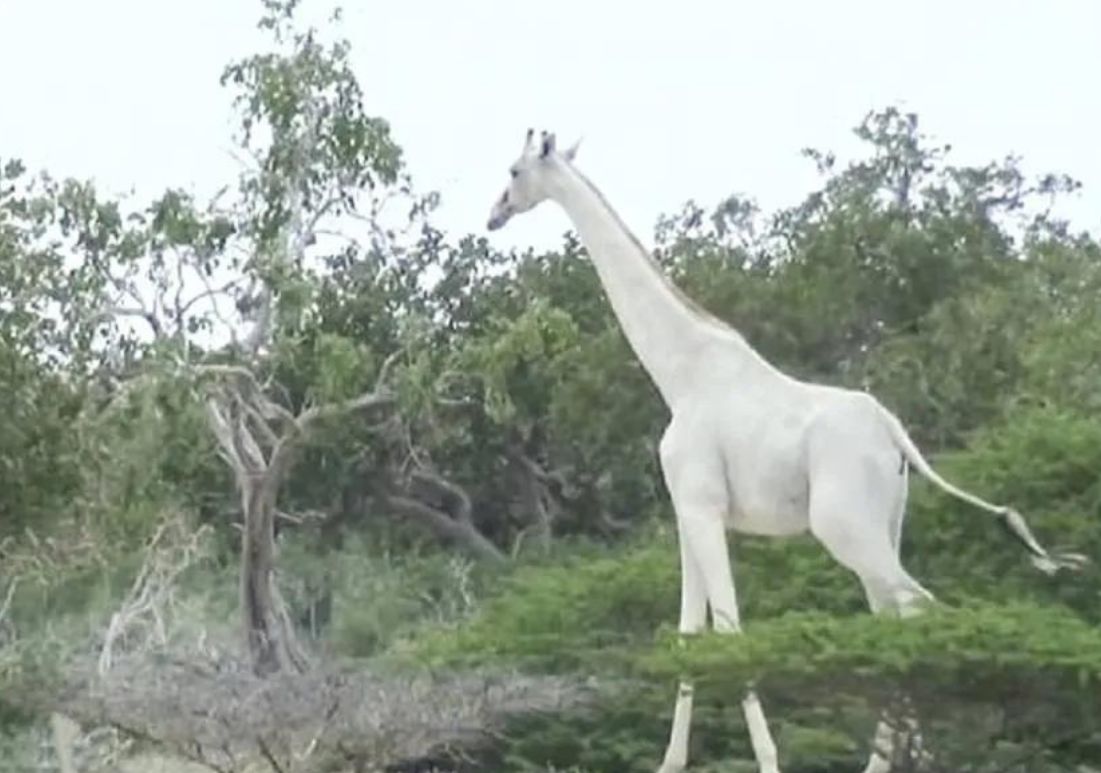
[(668, 332)]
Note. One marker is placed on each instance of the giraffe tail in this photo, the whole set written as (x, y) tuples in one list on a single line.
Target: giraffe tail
[(1014, 521)]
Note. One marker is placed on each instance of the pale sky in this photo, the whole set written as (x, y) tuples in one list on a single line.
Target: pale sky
[(677, 100)]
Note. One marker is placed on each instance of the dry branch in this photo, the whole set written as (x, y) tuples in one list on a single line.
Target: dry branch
[(170, 552), (448, 511), (8, 599), (461, 532), (221, 715)]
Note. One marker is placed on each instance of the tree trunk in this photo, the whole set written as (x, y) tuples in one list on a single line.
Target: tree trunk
[(269, 632), (241, 420), (534, 503)]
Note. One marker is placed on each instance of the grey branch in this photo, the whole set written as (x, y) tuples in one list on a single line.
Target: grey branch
[(219, 714), (456, 492), (461, 532), (8, 599)]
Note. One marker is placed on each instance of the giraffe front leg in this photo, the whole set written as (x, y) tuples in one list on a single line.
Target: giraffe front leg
[(693, 615), (697, 484), (709, 547)]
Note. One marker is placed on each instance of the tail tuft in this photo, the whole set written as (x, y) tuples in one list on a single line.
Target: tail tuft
[(1013, 521), (1016, 523), (1048, 563)]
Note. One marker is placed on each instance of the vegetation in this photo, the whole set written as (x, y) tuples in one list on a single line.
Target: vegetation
[(294, 440)]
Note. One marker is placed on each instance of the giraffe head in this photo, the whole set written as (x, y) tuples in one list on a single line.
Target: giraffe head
[(530, 176)]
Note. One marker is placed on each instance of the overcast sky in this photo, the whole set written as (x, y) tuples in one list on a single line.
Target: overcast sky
[(675, 100)]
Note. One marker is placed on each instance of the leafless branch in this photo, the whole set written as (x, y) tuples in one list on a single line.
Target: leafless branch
[(558, 477), (261, 331), (219, 423), (267, 755), (126, 289), (247, 447), (209, 292), (319, 214), (462, 532), (6, 606), (302, 517), (167, 556), (464, 507), (611, 523), (222, 716), (113, 312), (260, 421), (269, 409), (177, 302), (538, 500), (444, 382), (327, 410), (377, 396), (244, 459)]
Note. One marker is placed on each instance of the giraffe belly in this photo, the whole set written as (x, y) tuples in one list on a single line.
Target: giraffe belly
[(768, 523), (773, 505)]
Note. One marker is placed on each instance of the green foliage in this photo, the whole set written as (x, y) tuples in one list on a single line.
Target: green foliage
[(308, 89), (822, 674), (510, 361), (549, 615), (379, 597), (979, 647)]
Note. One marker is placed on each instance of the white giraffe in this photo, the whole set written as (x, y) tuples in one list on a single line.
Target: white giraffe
[(747, 447)]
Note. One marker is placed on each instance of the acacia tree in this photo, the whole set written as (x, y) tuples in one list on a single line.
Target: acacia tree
[(321, 162), (210, 302)]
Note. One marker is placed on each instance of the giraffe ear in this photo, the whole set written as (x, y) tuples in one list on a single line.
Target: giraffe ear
[(570, 153), (548, 144)]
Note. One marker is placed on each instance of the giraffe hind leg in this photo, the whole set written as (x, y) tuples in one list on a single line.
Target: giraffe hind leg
[(860, 526)]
